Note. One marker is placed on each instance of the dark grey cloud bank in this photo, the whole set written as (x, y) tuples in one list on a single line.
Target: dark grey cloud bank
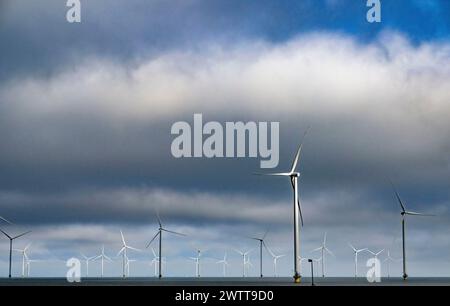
[(85, 147)]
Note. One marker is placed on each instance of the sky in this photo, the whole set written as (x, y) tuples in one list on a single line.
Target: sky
[(86, 111)]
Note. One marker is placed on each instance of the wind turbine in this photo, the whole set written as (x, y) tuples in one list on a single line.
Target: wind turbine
[(356, 252), (123, 251), (24, 259), (159, 233), (244, 256), (248, 264), (404, 213), (316, 261), (128, 261), (294, 175), (29, 261), (224, 263), (261, 244), (197, 262), (323, 248), (11, 239), (389, 259), (102, 257), (87, 260), (155, 261), (275, 260)]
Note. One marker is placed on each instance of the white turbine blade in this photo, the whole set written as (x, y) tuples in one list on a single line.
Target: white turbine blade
[(318, 249), (84, 256), (120, 252), (352, 247), (23, 234), (159, 218), (379, 252), (107, 258), (154, 237), (329, 252), (274, 174), (299, 151), (154, 253), (134, 249), (265, 234), (412, 213), (1, 218), (123, 238), (239, 252), (325, 238), (176, 233)]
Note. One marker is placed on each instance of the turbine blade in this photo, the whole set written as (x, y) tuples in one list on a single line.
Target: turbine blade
[(1, 218), (23, 234), (265, 234), (300, 210), (134, 249), (398, 198), (329, 252), (120, 252), (176, 233), (239, 252), (318, 249), (412, 213), (353, 248), (123, 238), (299, 151), (157, 233), (5, 234), (159, 218), (325, 238), (274, 174)]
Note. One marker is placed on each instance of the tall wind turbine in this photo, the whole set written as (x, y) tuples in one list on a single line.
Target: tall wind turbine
[(24, 259), (405, 213), (224, 263), (127, 263), (323, 248), (261, 244), (123, 251), (102, 257), (11, 239), (356, 252), (159, 233), (248, 264), (294, 175), (244, 257)]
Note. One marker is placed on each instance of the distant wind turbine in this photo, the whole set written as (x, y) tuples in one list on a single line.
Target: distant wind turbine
[(356, 252), (87, 260), (224, 263), (102, 257), (159, 233), (124, 253), (275, 261), (323, 248), (389, 259), (24, 259), (294, 175), (404, 213), (197, 262), (262, 244), (244, 257), (11, 239)]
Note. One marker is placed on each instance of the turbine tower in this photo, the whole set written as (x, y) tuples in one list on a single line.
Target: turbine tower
[(323, 248), (155, 262), (102, 257), (293, 176), (11, 239), (261, 244), (159, 233), (87, 260), (356, 252), (224, 263), (405, 213), (123, 251)]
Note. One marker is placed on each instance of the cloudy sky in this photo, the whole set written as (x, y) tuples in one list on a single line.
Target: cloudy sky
[(86, 111)]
